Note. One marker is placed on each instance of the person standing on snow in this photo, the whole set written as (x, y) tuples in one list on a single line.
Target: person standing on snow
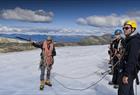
[(47, 60), (128, 70), (117, 50)]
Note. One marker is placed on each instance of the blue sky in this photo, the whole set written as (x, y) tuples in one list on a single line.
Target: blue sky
[(73, 14)]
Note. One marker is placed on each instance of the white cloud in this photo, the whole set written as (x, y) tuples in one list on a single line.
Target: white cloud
[(112, 20), (81, 21), (106, 21), (4, 29), (43, 31), (134, 13), (27, 15)]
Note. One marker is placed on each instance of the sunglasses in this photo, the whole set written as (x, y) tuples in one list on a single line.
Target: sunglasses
[(126, 28)]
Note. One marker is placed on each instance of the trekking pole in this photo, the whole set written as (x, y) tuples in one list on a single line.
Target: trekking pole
[(135, 88)]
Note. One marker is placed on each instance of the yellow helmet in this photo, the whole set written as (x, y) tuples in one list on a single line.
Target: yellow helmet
[(132, 23)]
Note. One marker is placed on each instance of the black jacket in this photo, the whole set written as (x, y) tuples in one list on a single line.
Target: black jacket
[(38, 45), (131, 55)]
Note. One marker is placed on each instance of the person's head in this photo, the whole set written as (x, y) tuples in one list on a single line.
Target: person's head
[(129, 27), (49, 39), (118, 33)]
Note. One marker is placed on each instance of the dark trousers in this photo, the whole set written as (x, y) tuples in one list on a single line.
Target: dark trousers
[(42, 68), (115, 70), (126, 89)]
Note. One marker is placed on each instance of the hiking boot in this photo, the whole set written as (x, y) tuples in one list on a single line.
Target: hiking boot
[(111, 83), (110, 73), (42, 85), (47, 82), (116, 86), (109, 62), (110, 67)]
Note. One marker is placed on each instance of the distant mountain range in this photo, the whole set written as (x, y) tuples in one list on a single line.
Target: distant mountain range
[(9, 44), (96, 40), (37, 37)]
